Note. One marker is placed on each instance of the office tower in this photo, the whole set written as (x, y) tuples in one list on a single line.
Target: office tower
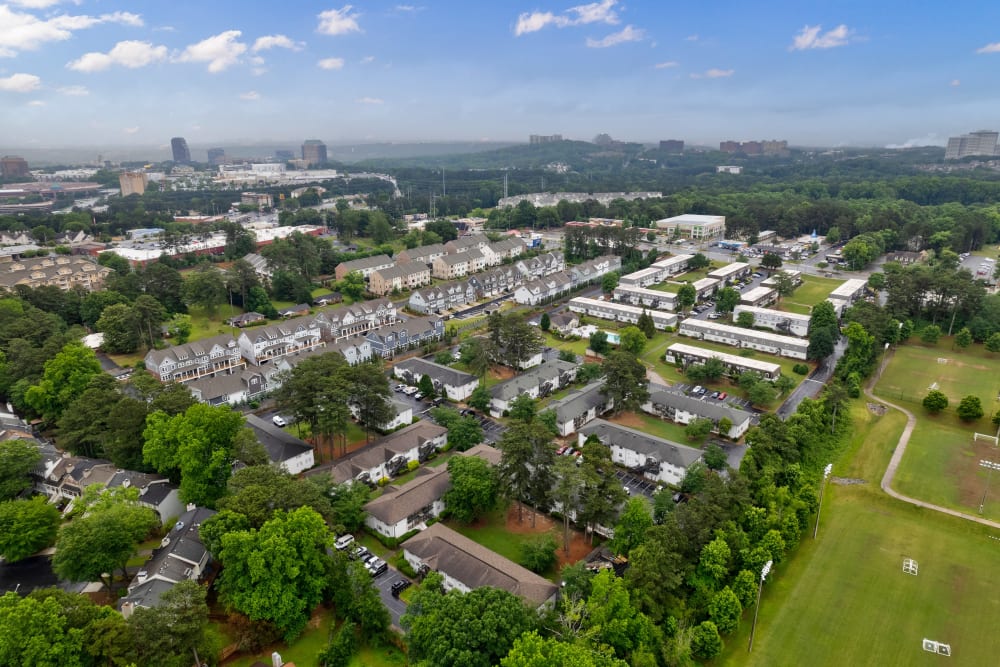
[(12, 166), (216, 156), (133, 182), (180, 149), (983, 142), (314, 152)]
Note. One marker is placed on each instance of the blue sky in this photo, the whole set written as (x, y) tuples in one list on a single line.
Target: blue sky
[(829, 73)]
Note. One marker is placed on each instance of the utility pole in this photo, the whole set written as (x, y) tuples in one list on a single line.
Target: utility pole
[(826, 475), (760, 591)]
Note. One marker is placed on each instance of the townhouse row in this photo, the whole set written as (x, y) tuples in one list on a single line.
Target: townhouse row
[(542, 290)]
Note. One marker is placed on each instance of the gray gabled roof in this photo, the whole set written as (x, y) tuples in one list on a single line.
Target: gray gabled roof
[(534, 377), (580, 401), (446, 376), (662, 450), (398, 502), (280, 446), (706, 408)]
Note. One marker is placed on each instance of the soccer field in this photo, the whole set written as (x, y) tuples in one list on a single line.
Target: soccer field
[(941, 464), (845, 600)]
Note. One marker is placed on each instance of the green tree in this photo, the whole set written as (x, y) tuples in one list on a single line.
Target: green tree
[(745, 587), (473, 489), (726, 299), (539, 554), (340, 650), (633, 340), (762, 393), (258, 302), (600, 493), (599, 342), (476, 354), (565, 492), (698, 261), (66, 376), (33, 633), (784, 284), (646, 324), (352, 285), (634, 521), (205, 288), (930, 334), (26, 527), (149, 315), (715, 561), (199, 445), (993, 343), (521, 446), (821, 343), (686, 296), (725, 611), (876, 281), (714, 456), (698, 429), (366, 607), (84, 426), (614, 621), (179, 328), (963, 338), (426, 386), (705, 641), (523, 408), (258, 491), (277, 574), (625, 385), (545, 323), (531, 650), (474, 629), (480, 398), (120, 327), (17, 459), (784, 384), (184, 611), (609, 281), (935, 401), (970, 408), (745, 320), (513, 340), (771, 261), (93, 546)]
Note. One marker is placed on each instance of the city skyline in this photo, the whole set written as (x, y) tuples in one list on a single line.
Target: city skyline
[(88, 73)]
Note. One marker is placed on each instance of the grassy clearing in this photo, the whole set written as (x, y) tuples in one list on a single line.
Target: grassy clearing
[(377, 656), (578, 347), (660, 428), (941, 464), (302, 651), (204, 325), (844, 598), (812, 290)]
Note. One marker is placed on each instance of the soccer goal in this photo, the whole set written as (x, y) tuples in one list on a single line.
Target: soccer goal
[(976, 437), (932, 646), (910, 566)]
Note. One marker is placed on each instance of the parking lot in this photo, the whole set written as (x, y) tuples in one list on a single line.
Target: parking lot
[(636, 485), (735, 401), (383, 583)]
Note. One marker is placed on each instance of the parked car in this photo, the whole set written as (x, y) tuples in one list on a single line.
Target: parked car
[(343, 542), (715, 394), (278, 420), (400, 387), (697, 389), (399, 586), (722, 396), (377, 567), (360, 553)]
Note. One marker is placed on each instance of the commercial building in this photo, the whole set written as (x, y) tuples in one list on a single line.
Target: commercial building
[(683, 409), (314, 152), (179, 148), (672, 146), (216, 156), (736, 170), (981, 143), (695, 227), (647, 298), (654, 458), (259, 200), (759, 296), (620, 312), (455, 385), (786, 346), (792, 324), (12, 166), (536, 139), (680, 353), (730, 272), (133, 182)]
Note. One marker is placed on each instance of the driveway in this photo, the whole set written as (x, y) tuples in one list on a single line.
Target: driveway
[(383, 583), (811, 386)]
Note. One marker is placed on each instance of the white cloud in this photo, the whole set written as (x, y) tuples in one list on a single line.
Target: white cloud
[(813, 37), (714, 74), (666, 65), (20, 83), (34, 4), (691, 38), (990, 48), (219, 51), (276, 42), (369, 100), (331, 63), (338, 21), (250, 96), (74, 91), (130, 130), (595, 12), (131, 54), (20, 31), (36, 103), (407, 9), (626, 34), (956, 82), (367, 59)]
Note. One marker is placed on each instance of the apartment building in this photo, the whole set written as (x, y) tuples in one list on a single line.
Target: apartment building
[(786, 346), (203, 358), (634, 295), (364, 266), (654, 458), (455, 385), (792, 324), (759, 297), (620, 312), (402, 336), (439, 298), (60, 271), (449, 267), (538, 382), (683, 409), (535, 292), (426, 254), (398, 278), (501, 280), (357, 318), (731, 272), (262, 345), (847, 294), (680, 353), (541, 265)]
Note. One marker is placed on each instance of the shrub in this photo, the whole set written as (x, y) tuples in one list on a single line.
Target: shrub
[(412, 465), (383, 481), (801, 369)]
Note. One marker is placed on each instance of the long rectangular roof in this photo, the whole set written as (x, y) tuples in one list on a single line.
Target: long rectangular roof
[(444, 374), (666, 451), (745, 362), (789, 342), (398, 502), (699, 406)]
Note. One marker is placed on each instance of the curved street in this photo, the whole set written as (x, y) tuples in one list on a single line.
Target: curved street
[(897, 456)]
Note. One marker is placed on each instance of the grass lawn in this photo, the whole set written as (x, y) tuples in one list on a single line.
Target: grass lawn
[(808, 294), (941, 464), (491, 532), (205, 326), (376, 656), (303, 651), (660, 428), (844, 600), (672, 288), (578, 347)]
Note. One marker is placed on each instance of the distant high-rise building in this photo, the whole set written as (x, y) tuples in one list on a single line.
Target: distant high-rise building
[(12, 166), (216, 156), (284, 155), (983, 142), (672, 146), (544, 138), (314, 152), (773, 147), (179, 146), (133, 182)]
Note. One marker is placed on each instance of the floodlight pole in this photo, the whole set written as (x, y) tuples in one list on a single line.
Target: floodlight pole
[(826, 475), (990, 467), (760, 591)]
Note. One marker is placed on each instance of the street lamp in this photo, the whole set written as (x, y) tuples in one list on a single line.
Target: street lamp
[(826, 475), (760, 591), (990, 467)]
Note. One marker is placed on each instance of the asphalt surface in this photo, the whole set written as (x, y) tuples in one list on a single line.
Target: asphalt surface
[(383, 583), (813, 385)]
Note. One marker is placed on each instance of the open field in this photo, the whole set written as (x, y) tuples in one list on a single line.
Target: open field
[(844, 600), (812, 290), (941, 464)]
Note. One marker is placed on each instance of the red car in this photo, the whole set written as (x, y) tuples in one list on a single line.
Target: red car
[(722, 396)]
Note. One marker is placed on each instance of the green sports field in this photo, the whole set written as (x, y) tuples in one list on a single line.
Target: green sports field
[(941, 464), (844, 599)]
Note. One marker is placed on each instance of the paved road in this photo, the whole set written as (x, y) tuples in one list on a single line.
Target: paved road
[(811, 386), (383, 583), (897, 456)]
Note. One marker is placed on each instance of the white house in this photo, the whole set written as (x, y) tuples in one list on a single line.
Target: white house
[(654, 458), (285, 450), (580, 407), (776, 320), (457, 386), (539, 382), (388, 456), (786, 346), (401, 509), (683, 409)]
